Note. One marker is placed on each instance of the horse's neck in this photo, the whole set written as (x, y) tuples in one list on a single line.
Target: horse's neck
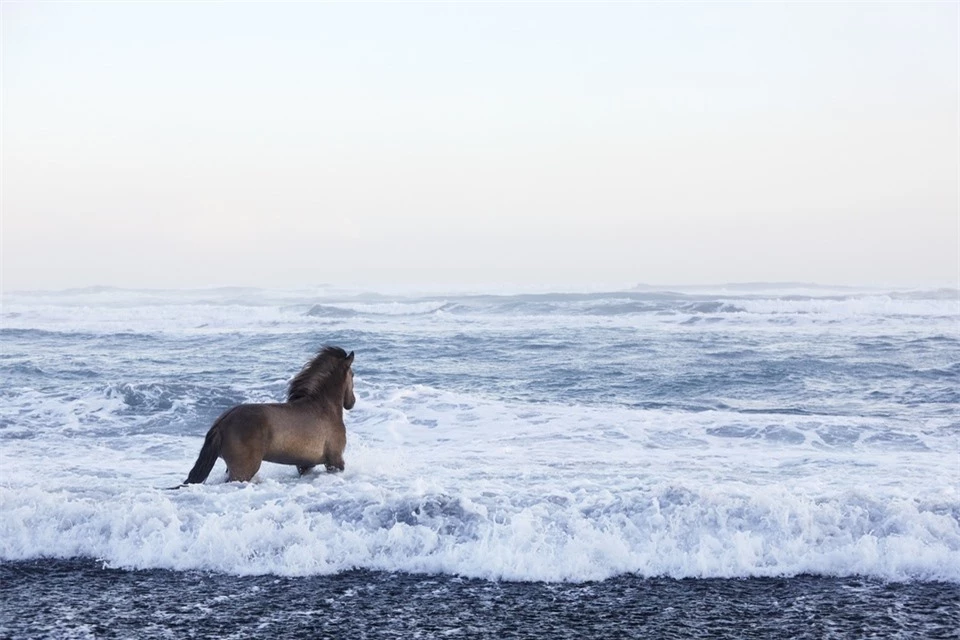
[(328, 404)]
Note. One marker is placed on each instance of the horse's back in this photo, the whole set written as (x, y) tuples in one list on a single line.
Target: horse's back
[(303, 435), (245, 425)]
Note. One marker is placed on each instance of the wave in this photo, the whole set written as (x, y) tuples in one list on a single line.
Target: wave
[(849, 307), (36, 409), (711, 306), (124, 313), (327, 526), (453, 483), (330, 311), (391, 308)]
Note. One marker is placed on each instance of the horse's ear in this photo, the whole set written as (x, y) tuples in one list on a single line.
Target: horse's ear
[(350, 357)]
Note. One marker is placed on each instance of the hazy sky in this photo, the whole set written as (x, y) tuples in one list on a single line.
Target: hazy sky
[(204, 144)]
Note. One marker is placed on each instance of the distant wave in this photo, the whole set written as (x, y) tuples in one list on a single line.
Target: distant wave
[(393, 308), (119, 312), (711, 306), (879, 305), (329, 311)]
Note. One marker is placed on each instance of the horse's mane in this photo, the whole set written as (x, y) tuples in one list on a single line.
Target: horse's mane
[(319, 376)]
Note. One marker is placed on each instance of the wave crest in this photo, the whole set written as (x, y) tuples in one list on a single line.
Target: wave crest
[(323, 527)]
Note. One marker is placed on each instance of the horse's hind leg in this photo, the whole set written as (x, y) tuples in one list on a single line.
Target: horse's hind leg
[(243, 465), (244, 443), (243, 470), (334, 462)]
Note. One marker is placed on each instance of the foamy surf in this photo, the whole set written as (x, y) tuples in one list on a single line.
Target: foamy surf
[(490, 502), (565, 437), (324, 527)]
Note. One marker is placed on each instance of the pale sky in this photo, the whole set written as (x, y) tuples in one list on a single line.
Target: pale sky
[(199, 144)]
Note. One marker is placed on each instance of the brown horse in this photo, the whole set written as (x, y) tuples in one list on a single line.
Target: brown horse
[(306, 430)]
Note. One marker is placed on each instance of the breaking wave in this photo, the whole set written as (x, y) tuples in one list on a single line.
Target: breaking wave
[(327, 526)]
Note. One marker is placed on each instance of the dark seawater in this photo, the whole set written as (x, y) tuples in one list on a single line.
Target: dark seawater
[(81, 599)]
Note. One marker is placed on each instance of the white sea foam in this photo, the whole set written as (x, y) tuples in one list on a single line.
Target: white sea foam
[(446, 483), (580, 532)]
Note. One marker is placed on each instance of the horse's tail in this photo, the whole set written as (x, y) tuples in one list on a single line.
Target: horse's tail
[(208, 454)]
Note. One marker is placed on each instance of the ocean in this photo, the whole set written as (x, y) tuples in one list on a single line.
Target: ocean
[(740, 461)]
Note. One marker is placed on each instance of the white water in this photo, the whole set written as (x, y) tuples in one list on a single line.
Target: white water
[(466, 478)]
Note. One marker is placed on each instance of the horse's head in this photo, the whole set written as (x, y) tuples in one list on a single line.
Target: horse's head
[(348, 398), (324, 378)]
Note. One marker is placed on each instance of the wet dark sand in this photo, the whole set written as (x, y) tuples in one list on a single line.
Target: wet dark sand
[(80, 598)]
